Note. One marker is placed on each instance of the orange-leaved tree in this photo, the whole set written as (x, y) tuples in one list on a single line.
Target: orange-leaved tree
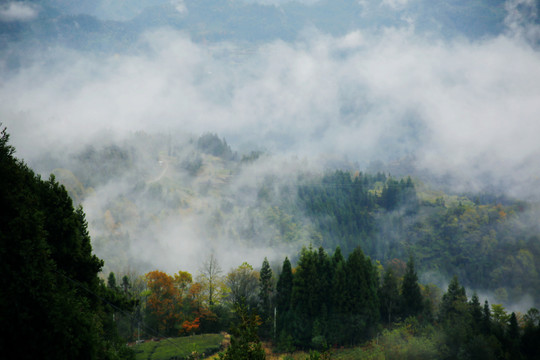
[(164, 301)]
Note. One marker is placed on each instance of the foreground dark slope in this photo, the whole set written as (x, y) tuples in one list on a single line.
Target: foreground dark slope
[(52, 303)]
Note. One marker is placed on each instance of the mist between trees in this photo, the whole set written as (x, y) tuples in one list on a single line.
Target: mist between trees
[(321, 302), (160, 201)]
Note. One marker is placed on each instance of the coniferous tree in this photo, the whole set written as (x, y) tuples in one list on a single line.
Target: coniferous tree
[(305, 298), (125, 284), (389, 295), (531, 335), (53, 301), (454, 301), (362, 300), (337, 257), (513, 337), (412, 300), (324, 284), (456, 320), (324, 301), (339, 284), (283, 306), (486, 319), (338, 310), (245, 343), (111, 281), (265, 296), (476, 312)]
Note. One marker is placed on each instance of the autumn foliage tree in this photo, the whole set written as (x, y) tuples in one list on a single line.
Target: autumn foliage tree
[(175, 305), (164, 301), (195, 312)]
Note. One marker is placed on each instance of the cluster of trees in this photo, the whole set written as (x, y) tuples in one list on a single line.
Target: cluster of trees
[(181, 304), (489, 246), (333, 301), (473, 331), (212, 144), (344, 206), (53, 304), (489, 242), (329, 301)]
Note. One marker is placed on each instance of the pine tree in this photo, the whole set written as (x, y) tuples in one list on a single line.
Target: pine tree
[(52, 308), (389, 295), (111, 281), (454, 301), (245, 344), (337, 257), (456, 320), (305, 297), (362, 300), (411, 296), (338, 307), (324, 284), (513, 337), (486, 318), (265, 296), (476, 312), (283, 301)]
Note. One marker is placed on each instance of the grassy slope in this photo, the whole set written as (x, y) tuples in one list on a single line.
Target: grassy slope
[(179, 347)]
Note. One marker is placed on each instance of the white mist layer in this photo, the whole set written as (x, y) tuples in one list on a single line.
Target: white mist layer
[(459, 107)]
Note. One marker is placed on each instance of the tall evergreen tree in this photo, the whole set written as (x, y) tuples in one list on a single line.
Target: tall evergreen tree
[(456, 320), (513, 337), (245, 343), (111, 281), (412, 300), (389, 295), (324, 284), (265, 296), (305, 297), (339, 284), (338, 311), (51, 308), (486, 318), (337, 257), (362, 300), (283, 302), (531, 335), (454, 301), (476, 312)]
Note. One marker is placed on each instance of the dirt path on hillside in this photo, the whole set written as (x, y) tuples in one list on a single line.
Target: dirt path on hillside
[(162, 174)]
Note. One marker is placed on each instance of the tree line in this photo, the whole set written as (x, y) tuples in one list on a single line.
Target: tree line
[(325, 302)]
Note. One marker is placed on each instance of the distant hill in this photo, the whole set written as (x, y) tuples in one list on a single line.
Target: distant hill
[(210, 195)]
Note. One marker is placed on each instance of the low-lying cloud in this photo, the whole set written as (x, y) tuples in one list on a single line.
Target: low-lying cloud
[(465, 107), (17, 11), (458, 107)]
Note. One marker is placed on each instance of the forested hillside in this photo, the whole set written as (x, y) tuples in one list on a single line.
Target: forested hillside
[(53, 304), (357, 279), (156, 193)]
